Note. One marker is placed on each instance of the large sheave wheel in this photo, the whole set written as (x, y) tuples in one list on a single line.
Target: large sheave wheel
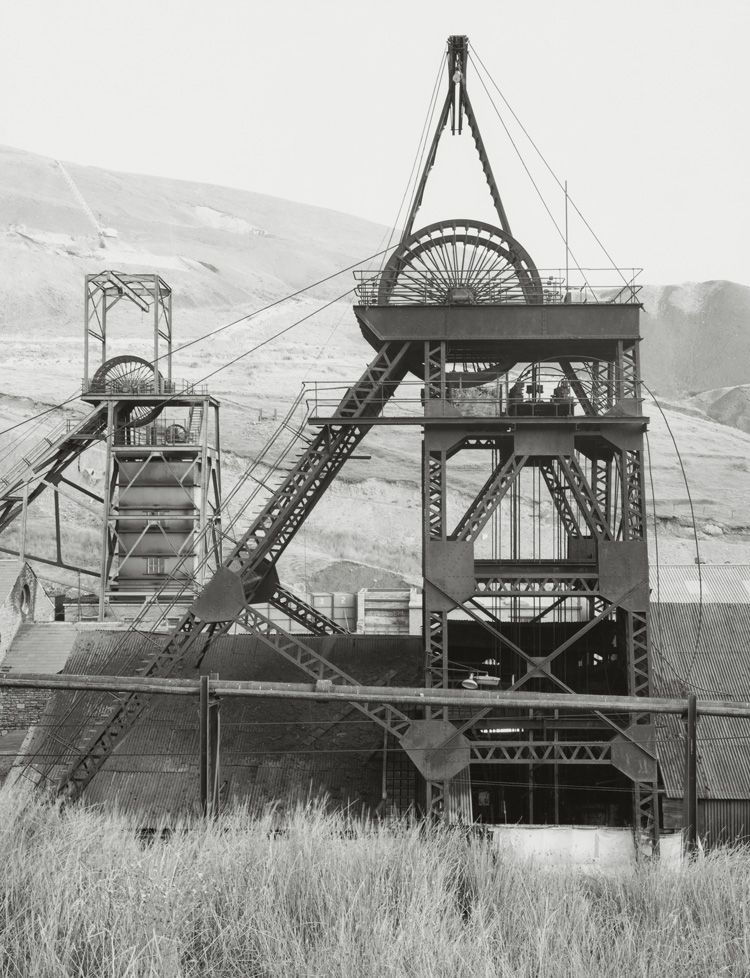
[(130, 375), (459, 262)]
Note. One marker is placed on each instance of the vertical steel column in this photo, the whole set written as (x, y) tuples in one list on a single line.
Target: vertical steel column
[(169, 340), (200, 532), (86, 300), (58, 537), (157, 308), (103, 322), (620, 372), (109, 489), (434, 528), (24, 520), (601, 484)]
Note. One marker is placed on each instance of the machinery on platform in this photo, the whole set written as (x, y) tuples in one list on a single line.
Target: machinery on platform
[(540, 584), (160, 501)]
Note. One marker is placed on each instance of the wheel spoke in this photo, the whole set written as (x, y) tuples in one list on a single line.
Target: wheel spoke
[(460, 254)]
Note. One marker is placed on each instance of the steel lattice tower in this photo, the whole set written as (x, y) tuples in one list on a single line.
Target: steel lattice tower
[(536, 577)]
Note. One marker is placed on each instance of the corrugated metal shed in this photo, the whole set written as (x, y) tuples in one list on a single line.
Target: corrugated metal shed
[(271, 750), (693, 583), (706, 651)]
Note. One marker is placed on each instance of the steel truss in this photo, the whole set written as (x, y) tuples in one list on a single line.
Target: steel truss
[(43, 468), (250, 564), (595, 491), (599, 503)]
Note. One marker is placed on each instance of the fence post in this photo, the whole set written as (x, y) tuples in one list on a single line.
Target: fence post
[(691, 777), (214, 731), (203, 712), (210, 730)]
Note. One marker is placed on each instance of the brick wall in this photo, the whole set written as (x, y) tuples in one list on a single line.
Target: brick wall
[(20, 708)]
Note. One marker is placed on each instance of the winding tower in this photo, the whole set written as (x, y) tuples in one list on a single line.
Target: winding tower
[(541, 582), (158, 503), (162, 475), (536, 580)]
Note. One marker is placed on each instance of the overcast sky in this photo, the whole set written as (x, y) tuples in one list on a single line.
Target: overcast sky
[(641, 106)]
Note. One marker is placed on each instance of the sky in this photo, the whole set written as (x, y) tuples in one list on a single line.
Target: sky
[(642, 107)]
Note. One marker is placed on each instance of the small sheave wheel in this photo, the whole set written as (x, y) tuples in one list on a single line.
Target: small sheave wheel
[(176, 434), (130, 375), (460, 262)]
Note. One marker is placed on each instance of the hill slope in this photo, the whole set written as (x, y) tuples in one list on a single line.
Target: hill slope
[(695, 336), (228, 252)]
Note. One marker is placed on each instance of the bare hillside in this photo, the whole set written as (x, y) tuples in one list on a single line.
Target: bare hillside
[(226, 253), (696, 336)]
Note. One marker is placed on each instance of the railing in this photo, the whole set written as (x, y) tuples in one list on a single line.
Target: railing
[(512, 395), (462, 287), (163, 432), (171, 388), (33, 456)]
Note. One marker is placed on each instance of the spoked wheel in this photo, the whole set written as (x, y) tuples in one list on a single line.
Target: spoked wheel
[(130, 375), (460, 263)]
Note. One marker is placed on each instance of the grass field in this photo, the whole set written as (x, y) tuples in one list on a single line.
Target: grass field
[(83, 896)]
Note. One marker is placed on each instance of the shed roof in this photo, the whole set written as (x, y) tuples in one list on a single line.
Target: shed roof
[(271, 750), (700, 583), (40, 647)]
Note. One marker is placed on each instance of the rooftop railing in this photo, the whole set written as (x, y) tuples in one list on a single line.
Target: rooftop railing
[(142, 388), (512, 395), (468, 287)]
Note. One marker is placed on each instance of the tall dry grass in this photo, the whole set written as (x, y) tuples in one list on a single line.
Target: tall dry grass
[(81, 896)]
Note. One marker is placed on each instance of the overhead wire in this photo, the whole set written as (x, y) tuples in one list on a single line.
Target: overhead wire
[(424, 140), (534, 183), (343, 295), (695, 533), (239, 357), (547, 165), (219, 329)]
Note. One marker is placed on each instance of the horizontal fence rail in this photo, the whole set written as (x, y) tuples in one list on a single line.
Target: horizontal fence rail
[(327, 691)]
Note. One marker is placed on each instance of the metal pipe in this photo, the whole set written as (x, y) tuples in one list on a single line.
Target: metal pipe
[(377, 694)]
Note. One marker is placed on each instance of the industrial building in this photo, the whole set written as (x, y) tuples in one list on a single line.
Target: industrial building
[(540, 585)]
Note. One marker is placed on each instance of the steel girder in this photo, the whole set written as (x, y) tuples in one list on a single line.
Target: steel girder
[(304, 613), (489, 498), (251, 560), (608, 503), (542, 752), (43, 468)]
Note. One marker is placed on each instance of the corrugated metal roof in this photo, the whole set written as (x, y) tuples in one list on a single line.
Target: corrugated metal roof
[(266, 749), (716, 667), (9, 572), (266, 755), (690, 583), (40, 647)]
